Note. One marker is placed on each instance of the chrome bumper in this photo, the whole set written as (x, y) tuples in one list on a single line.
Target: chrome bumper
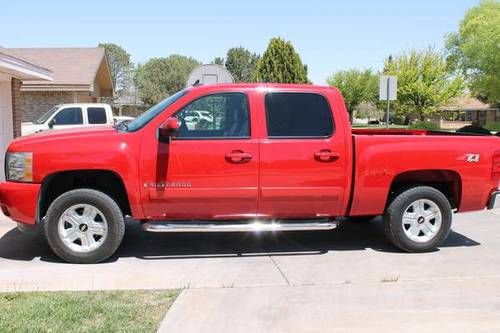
[(494, 202)]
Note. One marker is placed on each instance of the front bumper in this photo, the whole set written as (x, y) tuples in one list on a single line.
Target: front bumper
[(494, 202), (19, 201)]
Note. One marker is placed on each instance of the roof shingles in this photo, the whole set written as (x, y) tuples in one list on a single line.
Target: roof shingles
[(70, 66)]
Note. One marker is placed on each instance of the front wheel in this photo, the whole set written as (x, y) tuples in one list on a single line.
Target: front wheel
[(418, 219), (84, 226)]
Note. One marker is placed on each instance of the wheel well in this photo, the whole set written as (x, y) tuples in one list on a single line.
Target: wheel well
[(446, 181), (102, 180)]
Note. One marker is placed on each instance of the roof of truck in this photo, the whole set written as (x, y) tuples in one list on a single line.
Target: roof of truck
[(262, 86)]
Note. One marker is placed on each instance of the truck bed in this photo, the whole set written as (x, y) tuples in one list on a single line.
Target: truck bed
[(384, 131), (383, 157)]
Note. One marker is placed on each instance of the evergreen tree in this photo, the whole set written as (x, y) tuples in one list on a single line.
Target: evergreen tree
[(281, 64)]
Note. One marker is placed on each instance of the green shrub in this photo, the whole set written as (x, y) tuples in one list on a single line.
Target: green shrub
[(423, 125), (493, 126)]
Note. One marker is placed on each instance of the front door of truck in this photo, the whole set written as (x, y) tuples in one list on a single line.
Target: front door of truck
[(303, 158), (210, 169)]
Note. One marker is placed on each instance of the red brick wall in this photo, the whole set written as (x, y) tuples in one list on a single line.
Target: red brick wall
[(16, 106)]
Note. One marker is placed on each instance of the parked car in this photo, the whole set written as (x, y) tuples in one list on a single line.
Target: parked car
[(284, 157), (66, 116), (197, 118)]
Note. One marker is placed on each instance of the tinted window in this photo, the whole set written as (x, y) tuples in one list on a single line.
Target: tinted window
[(215, 116), (96, 115), (69, 116), (298, 115), (149, 115)]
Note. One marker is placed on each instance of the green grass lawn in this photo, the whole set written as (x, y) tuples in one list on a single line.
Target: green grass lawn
[(96, 311)]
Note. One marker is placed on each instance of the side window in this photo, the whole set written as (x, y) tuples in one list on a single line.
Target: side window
[(215, 116), (301, 115), (69, 116), (96, 115)]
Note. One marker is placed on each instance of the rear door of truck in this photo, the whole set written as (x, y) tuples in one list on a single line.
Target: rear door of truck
[(303, 169)]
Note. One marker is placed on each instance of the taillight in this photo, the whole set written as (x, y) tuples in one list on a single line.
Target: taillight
[(495, 171)]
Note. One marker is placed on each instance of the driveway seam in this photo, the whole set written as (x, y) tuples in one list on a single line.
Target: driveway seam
[(279, 270), (342, 283)]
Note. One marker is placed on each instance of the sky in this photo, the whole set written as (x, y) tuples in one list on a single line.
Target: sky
[(329, 35)]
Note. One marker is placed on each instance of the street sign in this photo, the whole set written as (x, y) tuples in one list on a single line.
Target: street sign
[(388, 88), (388, 91)]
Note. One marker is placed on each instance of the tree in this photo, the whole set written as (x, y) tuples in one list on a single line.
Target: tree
[(357, 86), (218, 61), (475, 50), (424, 82), (369, 110), (281, 64), (120, 67), (161, 77), (242, 64)]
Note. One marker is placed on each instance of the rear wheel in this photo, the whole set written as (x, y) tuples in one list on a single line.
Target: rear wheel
[(84, 226), (418, 219)]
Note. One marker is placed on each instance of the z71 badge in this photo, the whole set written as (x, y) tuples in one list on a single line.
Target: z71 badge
[(472, 158)]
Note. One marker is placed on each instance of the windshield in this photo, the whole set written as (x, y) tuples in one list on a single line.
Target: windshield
[(149, 115), (46, 115)]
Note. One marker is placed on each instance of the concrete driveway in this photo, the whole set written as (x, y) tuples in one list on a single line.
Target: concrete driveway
[(351, 279)]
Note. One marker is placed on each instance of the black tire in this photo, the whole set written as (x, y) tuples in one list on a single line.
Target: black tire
[(394, 214), (108, 207)]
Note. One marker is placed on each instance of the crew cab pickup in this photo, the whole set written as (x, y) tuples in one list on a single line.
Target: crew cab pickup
[(67, 116), (273, 157)]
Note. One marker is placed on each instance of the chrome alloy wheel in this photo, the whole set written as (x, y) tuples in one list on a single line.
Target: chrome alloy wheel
[(82, 228), (422, 220)]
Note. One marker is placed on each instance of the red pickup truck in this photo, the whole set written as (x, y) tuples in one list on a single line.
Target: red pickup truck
[(262, 157)]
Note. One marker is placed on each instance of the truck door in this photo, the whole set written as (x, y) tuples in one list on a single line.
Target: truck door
[(210, 169), (303, 157)]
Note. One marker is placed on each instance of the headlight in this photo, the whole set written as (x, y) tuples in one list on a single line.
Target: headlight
[(19, 167)]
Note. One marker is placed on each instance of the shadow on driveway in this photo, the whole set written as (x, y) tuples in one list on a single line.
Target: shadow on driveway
[(156, 246)]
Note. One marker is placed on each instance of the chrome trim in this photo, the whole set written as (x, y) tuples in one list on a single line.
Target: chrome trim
[(189, 226), (494, 202)]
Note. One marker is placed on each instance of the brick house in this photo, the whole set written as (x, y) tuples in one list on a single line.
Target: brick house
[(14, 71), (467, 110), (80, 75)]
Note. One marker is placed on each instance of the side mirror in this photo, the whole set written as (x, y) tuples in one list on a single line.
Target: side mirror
[(169, 128), (51, 123)]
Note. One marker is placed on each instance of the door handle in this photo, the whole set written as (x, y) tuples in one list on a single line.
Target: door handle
[(326, 155), (238, 157)]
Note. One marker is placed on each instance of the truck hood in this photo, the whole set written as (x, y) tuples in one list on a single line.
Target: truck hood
[(62, 136)]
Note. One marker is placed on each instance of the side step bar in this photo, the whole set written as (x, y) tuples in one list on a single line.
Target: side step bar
[(190, 226)]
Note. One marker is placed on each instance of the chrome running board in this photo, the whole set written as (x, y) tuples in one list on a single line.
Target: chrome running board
[(190, 226)]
